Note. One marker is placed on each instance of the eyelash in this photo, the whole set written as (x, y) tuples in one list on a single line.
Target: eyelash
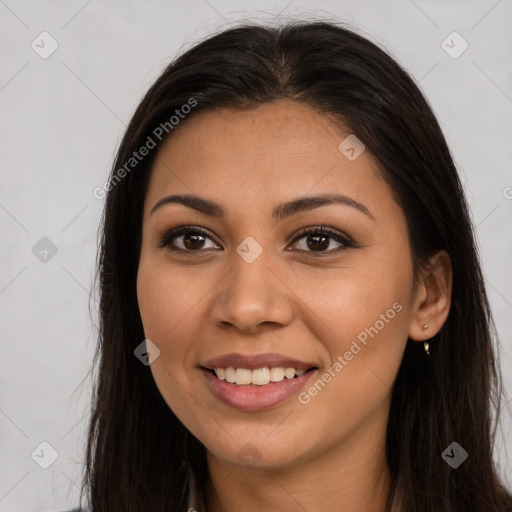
[(167, 238)]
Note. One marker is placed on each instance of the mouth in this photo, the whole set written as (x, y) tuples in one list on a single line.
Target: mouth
[(245, 377), (253, 390)]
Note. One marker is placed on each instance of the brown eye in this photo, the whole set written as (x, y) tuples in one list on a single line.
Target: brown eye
[(185, 238), (318, 240)]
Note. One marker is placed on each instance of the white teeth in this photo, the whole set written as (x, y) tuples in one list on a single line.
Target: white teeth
[(289, 373), (243, 376), (230, 374), (277, 374), (258, 377)]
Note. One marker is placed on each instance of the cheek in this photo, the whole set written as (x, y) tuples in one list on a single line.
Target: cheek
[(166, 302), (364, 355), (357, 302), (166, 297), (367, 313), (368, 331)]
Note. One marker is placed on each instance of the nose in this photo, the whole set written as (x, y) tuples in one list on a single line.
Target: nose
[(251, 295)]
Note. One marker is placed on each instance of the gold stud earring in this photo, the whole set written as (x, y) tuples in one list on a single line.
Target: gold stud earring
[(425, 327)]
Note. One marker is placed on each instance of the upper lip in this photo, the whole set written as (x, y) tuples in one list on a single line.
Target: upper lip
[(252, 362)]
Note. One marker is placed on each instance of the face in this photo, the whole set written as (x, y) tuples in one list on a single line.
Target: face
[(322, 287)]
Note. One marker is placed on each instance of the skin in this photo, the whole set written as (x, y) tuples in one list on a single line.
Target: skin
[(328, 454)]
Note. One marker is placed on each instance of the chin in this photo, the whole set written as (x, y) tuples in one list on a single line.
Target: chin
[(258, 452)]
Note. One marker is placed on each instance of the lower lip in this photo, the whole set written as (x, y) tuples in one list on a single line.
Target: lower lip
[(255, 398)]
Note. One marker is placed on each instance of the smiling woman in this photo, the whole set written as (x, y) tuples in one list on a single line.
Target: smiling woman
[(293, 314)]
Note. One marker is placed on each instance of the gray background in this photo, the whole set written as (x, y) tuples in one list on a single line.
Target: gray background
[(61, 121)]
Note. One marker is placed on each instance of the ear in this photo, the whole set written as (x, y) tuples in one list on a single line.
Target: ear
[(433, 298)]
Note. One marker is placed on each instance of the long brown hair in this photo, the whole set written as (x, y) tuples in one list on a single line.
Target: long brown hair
[(139, 456)]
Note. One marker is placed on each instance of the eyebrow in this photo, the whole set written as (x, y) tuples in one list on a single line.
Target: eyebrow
[(280, 212)]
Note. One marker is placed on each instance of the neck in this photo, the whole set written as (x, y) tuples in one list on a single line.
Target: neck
[(352, 476)]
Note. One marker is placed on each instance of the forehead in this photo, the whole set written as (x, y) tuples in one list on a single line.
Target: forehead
[(277, 150)]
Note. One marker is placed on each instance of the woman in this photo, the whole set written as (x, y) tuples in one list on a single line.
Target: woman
[(293, 314)]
